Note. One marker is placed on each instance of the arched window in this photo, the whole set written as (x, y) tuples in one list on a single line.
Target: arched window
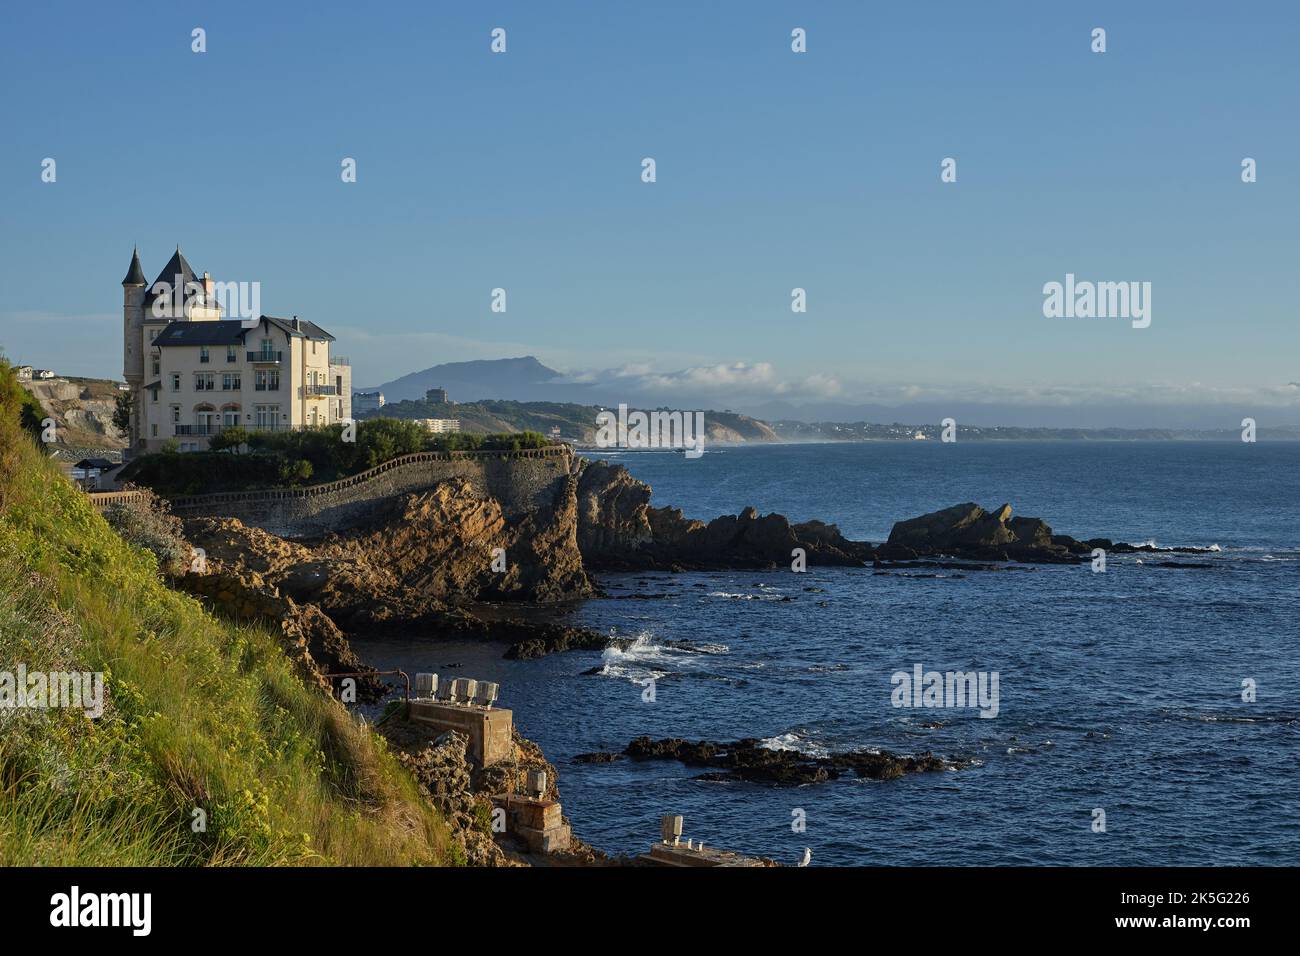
[(204, 419)]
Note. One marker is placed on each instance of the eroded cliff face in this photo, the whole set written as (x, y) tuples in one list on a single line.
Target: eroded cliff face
[(443, 543), (613, 511), (424, 563), (420, 553)]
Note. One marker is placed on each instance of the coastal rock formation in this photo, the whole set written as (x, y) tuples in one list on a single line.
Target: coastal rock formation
[(619, 530), (441, 544), (968, 531), (750, 760), (433, 547), (443, 771), (424, 562)]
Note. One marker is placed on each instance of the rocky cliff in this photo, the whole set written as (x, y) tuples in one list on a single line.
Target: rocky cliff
[(431, 560), (82, 409), (428, 561)]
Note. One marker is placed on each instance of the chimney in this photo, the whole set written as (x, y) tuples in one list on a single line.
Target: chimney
[(297, 326), (207, 286)]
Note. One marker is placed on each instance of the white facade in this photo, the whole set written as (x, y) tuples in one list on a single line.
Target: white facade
[(192, 372), (438, 426)]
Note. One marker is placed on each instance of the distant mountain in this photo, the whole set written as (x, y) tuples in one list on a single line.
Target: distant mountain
[(521, 379)]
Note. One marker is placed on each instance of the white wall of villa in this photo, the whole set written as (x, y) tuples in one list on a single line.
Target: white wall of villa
[(193, 372)]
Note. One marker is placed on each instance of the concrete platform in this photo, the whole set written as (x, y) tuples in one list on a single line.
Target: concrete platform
[(488, 729), (664, 854)]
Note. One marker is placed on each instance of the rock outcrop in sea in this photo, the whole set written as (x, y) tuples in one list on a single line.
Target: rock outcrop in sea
[(967, 531), (618, 530), (752, 760)]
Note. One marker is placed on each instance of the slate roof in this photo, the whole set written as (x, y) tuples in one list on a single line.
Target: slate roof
[(215, 332), (135, 274), (232, 331), (308, 330), (176, 266)]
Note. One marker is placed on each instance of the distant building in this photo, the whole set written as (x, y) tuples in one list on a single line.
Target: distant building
[(367, 402), (24, 373), (193, 373), (88, 470), (436, 395), (438, 426), (43, 373)]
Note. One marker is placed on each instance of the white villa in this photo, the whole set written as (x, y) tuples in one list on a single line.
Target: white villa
[(192, 372), (440, 426)]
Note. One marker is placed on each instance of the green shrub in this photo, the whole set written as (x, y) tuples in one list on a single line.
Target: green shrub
[(152, 526), (291, 458), (198, 472), (231, 438)]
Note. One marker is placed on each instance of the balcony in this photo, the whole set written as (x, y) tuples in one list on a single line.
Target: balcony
[(320, 391), (275, 427), (190, 430), (340, 360), (267, 388), (265, 357)]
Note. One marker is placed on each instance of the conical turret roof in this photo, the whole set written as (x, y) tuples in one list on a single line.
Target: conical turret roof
[(135, 274)]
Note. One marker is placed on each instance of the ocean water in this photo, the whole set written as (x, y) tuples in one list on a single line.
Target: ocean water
[(1119, 692)]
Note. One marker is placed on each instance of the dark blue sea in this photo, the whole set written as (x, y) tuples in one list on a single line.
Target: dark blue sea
[(1119, 691)]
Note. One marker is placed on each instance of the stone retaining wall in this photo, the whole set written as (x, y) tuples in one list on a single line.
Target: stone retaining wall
[(520, 480)]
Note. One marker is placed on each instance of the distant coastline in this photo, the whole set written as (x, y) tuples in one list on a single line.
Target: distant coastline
[(83, 411)]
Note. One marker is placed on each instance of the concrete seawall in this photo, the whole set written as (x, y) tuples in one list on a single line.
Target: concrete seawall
[(520, 480)]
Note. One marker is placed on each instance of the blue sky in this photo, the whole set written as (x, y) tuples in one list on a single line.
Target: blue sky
[(775, 170)]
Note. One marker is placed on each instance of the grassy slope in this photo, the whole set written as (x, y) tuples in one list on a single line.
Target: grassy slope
[(199, 713)]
